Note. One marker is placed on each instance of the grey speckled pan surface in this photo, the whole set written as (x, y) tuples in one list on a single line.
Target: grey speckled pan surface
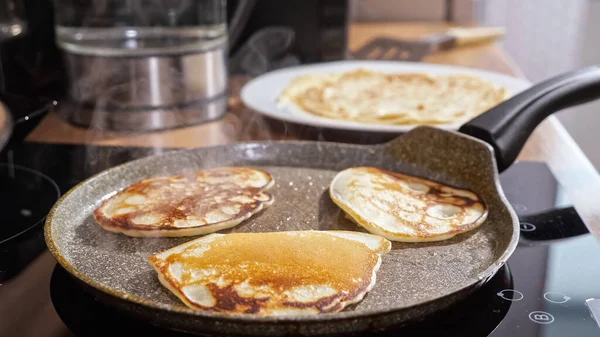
[(414, 279)]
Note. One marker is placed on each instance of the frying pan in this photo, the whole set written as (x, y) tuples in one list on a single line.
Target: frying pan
[(415, 279)]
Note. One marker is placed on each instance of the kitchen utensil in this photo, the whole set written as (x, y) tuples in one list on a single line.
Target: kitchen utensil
[(261, 93), (383, 48), (26, 113), (415, 279)]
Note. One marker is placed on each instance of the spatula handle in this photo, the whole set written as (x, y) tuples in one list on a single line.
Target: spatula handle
[(466, 36), (508, 125)]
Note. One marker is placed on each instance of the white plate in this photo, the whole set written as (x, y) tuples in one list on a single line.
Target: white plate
[(261, 93)]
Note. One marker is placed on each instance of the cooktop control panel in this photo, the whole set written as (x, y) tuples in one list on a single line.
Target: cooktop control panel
[(555, 263)]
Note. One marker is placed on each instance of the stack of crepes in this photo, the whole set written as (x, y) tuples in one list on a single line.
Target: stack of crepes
[(373, 97)]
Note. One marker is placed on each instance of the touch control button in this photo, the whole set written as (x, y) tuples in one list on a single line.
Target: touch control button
[(541, 317), (555, 297), (511, 295), (526, 227)]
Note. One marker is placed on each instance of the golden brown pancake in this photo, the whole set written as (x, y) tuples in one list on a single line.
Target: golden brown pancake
[(400, 207), (373, 97), (189, 204), (272, 274)]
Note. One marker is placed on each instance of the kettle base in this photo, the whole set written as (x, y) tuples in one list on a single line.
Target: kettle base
[(143, 120)]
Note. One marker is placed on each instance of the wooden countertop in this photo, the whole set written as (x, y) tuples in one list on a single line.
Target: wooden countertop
[(550, 142)]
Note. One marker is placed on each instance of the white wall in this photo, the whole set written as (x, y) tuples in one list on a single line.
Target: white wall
[(547, 37), (584, 122), (543, 36), (397, 10), (414, 10)]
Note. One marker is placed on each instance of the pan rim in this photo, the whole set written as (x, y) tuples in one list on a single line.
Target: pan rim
[(255, 319)]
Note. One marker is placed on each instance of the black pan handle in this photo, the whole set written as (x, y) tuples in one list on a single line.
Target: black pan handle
[(508, 125)]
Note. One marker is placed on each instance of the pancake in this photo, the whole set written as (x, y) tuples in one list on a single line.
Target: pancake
[(197, 203), (405, 208), (373, 97), (272, 274)]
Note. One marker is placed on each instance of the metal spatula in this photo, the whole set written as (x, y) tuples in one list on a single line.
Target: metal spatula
[(383, 48)]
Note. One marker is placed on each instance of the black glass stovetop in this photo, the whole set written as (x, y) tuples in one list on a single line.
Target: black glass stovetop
[(547, 289)]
